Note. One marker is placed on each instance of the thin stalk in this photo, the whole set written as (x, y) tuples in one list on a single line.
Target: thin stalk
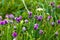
[(25, 5), (53, 34)]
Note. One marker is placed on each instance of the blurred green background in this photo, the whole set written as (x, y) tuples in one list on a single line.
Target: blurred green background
[(17, 8)]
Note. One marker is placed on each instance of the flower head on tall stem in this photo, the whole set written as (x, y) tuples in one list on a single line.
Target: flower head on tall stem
[(58, 6), (26, 21), (7, 15), (6, 21), (52, 23), (39, 18), (41, 32), (52, 4), (11, 16), (49, 17), (30, 14), (20, 17), (58, 21), (24, 29), (15, 28), (14, 34), (36, 26), (2, 22), (56, 33)]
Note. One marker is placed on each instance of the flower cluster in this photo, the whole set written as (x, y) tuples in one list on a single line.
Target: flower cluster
[(3, 22), (18, 19)]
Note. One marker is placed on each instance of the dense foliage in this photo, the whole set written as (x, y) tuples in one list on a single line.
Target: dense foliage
[(29, 19)]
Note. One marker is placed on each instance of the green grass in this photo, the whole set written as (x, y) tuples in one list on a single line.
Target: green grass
[(21, 7)]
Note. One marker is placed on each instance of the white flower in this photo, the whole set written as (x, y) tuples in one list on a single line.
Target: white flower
[(39, 9), (11, 21), (24, 28), (14, 27)]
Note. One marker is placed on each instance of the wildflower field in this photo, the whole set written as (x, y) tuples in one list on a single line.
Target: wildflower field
[(29, 19)]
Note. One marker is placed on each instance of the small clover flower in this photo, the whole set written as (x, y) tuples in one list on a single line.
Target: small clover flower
[(11, 16), (7, 16), (56, 33), (24, 28), (58, 6), (20, 17), (14, 34), (2, 22), (52, 4), (36, 26), (26, 21), (6, 21), (41, 32), (49, 17), (14, 27), (39, 18), (52, 23), (58, 21), (30, 14)]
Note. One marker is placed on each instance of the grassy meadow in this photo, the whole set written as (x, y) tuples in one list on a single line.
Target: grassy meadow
[(29, 19)]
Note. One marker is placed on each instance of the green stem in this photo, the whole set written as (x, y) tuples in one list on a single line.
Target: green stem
[(53, 34), (25, 5)]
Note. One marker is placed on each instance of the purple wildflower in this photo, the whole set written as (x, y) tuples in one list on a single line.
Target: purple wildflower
[(58, 21), (6, 21), (30, 14), (58, 6), (41, 32), (2, 22), (52, 4), (39, 18), (26, 21), (20, 17), (49, 17), (14, 34), (36, 26), (11, 16), (7, 16)]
